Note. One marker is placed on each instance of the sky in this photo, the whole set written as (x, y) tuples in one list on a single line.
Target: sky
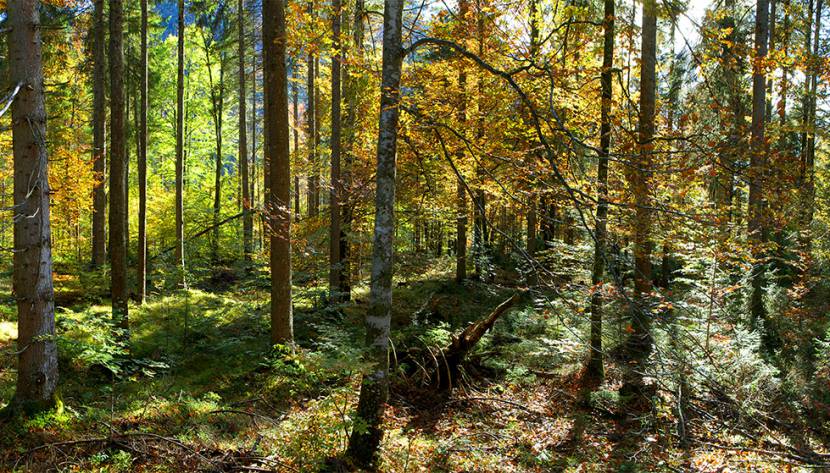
[(688, 24)]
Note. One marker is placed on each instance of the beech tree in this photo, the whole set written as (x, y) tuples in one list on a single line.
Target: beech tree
[(374, 389), (179, 252)]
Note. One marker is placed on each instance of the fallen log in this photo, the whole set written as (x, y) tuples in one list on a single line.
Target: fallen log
[(453, 354)]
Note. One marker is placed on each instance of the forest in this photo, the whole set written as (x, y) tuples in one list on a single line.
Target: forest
[(414, 236)]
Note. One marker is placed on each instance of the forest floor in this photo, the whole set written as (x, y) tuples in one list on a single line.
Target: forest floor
[(205, 391)]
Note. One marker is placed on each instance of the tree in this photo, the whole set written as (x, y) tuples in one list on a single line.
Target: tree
[(460, 191), (480, 233), (118, 171), (595, 369), (638, 344), (295, 99), (278, 202), (336, 187), (352, 89), (179, 253), (242, 155), (731, 61), (99, 140), (210, 23), (142, 161), (808, 135), (374, 389), (757, 170), (37, 375), (312, 190)]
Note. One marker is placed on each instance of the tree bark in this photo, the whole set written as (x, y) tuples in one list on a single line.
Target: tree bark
[(809, 133), (242, 154), (179, 253), (757, 173), (295, 98), (352, 85), (254, 197), (142, 161), (99, 140), (481, 238), (595, 367), (639, 342), (374, 390), (460, 192), (217, 98), (335, 227), (785, 73), (278, 206), (724, 186), (311, 132), (37, 374), (118, 171)]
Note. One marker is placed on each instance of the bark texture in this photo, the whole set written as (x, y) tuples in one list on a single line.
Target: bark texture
[(99, 140), (242, 154), (179, 252), (336, 187), (118, 170), (374, 390), (37, 374), (757, 174), (639, 341), (142, 161), (276, 148), (595, 367)]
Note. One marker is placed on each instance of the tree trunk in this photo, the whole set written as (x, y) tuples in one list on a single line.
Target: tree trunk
[(374, 390), (142, 161), (757, 172), (217, 100), (595, 367), (723, 185), (278, 207), (771, 38), (311, 131), (118, 171), (639, 342), (318, 120), (809, 133), (481, 238), (254, 196), (461, 193), (533, 197), (99, 141), (782, 102), (295, 97), (37, 374), (179, 253), (335, 228), (242, 154), (352, 89)]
